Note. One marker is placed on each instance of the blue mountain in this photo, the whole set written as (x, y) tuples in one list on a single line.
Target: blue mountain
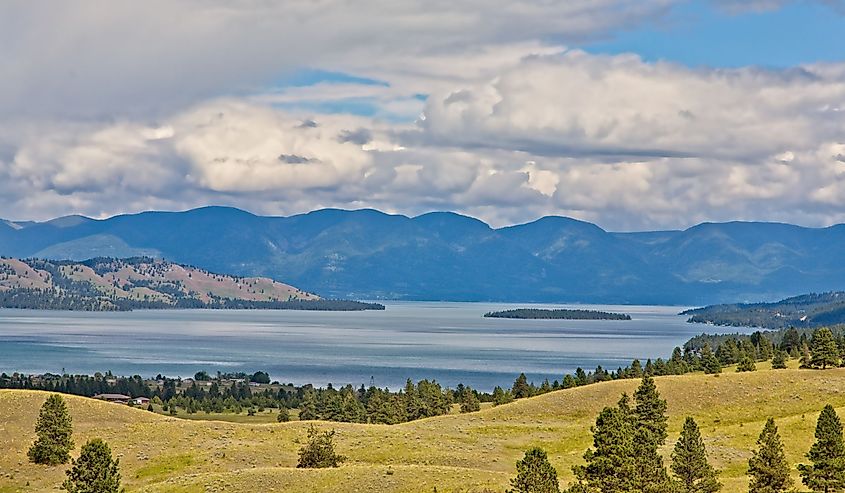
[(368, 254)]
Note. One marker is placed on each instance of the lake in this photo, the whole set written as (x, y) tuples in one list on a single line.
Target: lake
[(450, 342)]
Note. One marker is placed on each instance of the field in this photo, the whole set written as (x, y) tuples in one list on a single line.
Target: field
[(467, 452)]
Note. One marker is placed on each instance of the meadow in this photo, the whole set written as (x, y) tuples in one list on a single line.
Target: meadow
[(453, 453)]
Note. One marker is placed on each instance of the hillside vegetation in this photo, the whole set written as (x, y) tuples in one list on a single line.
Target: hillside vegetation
[(465, 452), (807, 311), (142, 282)]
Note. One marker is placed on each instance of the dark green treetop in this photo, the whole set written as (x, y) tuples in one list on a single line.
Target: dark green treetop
[(94, 471), (535, 474), (693, 474), (827, 471), (54, 429), (768, 470)]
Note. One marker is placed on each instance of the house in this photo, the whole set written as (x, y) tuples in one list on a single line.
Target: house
[(140, 401), (119, 398)]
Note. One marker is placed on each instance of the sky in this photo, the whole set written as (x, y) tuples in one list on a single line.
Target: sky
[(633, 114)]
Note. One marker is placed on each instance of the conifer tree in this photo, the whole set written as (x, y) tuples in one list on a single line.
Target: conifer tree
[(746, 364), (827, 471), (779, 360), (500, 396), (693, 474), (649, 418), (520, 387), (610, 464), (308, 407), (709, 362), (768, 469), (824, 351), (469, 401), (284, 415), (535, 474), (95, 471), (806, 357), (54, 429)]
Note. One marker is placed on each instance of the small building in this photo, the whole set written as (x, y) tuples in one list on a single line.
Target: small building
[(118, 398), (140, 401)]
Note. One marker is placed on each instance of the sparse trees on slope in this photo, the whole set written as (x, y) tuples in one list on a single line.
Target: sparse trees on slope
[(95, 471), (54, 429), (768, 469), (827, 471), (319, 451), (693, 474), (535, 474), (823, 349)]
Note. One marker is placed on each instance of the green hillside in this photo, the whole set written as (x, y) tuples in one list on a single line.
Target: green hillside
[(466, 452)]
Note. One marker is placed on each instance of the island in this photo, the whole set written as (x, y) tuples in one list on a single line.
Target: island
[(110, 284), (556, 314), (807, 310)]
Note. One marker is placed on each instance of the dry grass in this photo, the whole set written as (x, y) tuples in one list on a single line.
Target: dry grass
[(452, 453)]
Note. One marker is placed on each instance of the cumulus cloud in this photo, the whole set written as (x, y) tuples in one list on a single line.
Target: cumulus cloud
[(477, 107)]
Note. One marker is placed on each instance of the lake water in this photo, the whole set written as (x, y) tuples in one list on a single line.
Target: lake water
[(450, 342)]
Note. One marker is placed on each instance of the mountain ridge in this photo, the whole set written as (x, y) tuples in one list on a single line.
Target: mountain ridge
[(445, 256)]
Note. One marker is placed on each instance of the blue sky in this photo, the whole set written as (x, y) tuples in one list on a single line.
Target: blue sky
[(700, 33)]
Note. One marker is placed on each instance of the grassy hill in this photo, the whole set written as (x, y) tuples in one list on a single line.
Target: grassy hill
[(141, 282), (452, 453)]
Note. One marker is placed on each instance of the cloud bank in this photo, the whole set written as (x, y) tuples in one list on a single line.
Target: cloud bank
[(478, 107)]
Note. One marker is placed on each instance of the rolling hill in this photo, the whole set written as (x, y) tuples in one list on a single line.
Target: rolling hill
[(368, 254), (140, 282), (467, 452), (809, 310)]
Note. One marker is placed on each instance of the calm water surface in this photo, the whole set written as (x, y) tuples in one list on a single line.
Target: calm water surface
[(450, 342)]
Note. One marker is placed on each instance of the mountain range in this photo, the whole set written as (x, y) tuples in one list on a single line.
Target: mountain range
[(367, 254)]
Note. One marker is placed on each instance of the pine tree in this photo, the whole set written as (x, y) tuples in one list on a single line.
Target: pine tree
[(806, 357), (779, 360), (319, 451), (610, 464), (827, 471), (469, 401), (649, 418), (95, 471), (709, 362), (54, 429), (520, 387), (284, 415), (693, 473), (824, 351), (746, 364), (500, 396), (535, 474), (768, 469), (308, 407)]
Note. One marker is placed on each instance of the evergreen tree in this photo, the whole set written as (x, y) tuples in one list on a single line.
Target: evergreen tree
[(500, 396), (709, 362), (319, 451), (95, 471), (54, 429), (806, 357), (827, 471), (284, 415), (693, 473), (791, 341), (610, 464), (746, 364), (520, 387), (824, 351), (308, 407), (649, 418), (768, 469), (534, 474), (779, 360), (469, 401)]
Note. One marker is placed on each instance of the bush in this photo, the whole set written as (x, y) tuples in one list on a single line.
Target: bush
[(319, 451)]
